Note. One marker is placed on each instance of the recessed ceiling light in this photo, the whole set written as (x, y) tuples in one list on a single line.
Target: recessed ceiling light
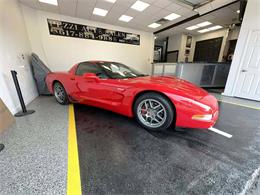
[(192, 27), (111, 1), (125, 18), (172, 16), (52, 2), (204, 30), (100, 12), (203, 24), (140, 6), (215, 27), (154, 25), (238, 11)]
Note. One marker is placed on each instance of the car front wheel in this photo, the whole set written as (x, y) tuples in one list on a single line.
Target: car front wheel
[(153, 111)]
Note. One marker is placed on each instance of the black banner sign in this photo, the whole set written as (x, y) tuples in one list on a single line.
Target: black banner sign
[(68, 29)]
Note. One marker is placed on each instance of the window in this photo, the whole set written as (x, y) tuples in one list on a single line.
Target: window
[(87, 67), (119, 71)]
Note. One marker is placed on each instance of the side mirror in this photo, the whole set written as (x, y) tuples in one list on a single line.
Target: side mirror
[(91, 76)]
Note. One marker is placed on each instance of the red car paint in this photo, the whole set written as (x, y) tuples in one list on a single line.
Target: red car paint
[(118, 95)]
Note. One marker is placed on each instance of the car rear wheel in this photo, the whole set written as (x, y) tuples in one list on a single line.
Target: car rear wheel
[(60, 93), (153, 111)]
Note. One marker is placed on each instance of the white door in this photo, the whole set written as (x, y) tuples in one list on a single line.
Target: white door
[(248, 83)]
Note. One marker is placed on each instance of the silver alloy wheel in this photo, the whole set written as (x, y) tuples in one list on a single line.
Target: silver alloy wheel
[(151, 113), (59, 93)]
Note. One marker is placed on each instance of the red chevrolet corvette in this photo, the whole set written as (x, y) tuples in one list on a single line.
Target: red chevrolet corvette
[(157, 102)]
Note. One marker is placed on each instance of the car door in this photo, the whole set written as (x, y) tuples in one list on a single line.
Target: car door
[(87, 89), (97, 92)]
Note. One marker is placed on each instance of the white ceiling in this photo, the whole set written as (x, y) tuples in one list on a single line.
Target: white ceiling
[(223, 17), (156, 11)]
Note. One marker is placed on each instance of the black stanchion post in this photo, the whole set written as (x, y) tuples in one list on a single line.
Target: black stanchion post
[(20, 96), (2, 146)]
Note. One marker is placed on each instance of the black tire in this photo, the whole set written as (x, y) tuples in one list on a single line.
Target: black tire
[(162, 101), (59, 89)]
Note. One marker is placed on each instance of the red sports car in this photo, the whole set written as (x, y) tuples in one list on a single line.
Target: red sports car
[(157, 102)]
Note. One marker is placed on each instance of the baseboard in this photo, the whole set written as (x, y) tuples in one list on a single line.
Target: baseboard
[(227, 94)]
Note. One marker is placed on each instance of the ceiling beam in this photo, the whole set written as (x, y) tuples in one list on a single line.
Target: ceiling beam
[(186, 2), (192, 18), (201, 4), (194, 6)]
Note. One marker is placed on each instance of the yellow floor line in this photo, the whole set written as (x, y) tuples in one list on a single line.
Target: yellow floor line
[(73, 175), (242, 105)]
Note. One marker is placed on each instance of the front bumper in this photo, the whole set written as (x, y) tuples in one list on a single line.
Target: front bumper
[(205, 124), (187, 109)]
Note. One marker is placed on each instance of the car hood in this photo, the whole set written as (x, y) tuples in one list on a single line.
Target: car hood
[(176, 85)]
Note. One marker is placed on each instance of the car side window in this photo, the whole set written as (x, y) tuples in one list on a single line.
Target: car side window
[(86, 67)]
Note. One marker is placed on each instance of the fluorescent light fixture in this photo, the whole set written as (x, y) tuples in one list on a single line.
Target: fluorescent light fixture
[(204, 30), (199, 25), (125, 18), (140, 6), (172, 16), (238, 11), (204, 24), (100, 12), (192, 27), (154, 25), (215, 27), (52, 2), (111, 1)]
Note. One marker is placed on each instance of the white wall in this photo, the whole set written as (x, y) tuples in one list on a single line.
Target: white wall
[(174, 42), (178, 42), (60, 53), (14, 44), (250, 23)]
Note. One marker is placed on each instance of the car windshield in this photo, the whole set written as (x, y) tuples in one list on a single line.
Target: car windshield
[(119, 71)]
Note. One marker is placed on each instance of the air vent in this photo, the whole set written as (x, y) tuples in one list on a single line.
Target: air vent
[(162, 21)]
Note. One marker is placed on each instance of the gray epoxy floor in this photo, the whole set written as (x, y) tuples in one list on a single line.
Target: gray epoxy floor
[(256, 188), (116, 154), (118, 157), (34, 160)]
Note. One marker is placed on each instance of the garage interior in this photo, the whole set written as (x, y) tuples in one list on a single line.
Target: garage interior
[(78, 149)]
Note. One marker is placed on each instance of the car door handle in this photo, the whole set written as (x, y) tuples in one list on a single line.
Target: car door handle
[(72, 78), (243, 70)]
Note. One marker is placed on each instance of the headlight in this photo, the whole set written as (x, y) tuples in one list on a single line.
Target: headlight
[(205, 117)]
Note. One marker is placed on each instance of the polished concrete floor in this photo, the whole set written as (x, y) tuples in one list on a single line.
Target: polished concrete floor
[(34, 160), (118, 157)]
